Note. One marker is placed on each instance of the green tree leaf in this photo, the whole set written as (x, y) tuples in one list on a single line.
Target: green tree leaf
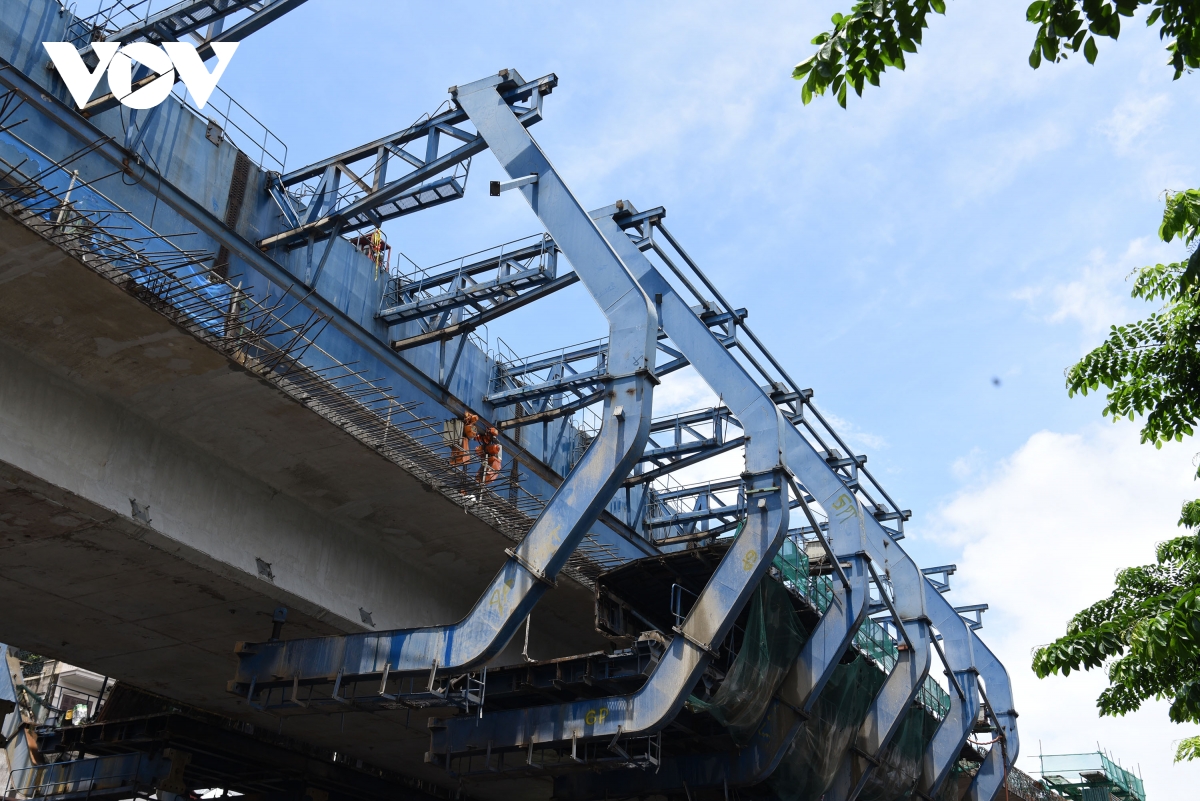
[(872, 36)]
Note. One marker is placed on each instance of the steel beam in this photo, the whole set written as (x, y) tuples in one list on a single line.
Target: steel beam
[(566, 519), (850, 527), (385, 198), (739, 572), (487, 315), (886, 713), (531, 392), (183, 19)]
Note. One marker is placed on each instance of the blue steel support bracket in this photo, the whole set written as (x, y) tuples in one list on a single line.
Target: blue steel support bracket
[(915, 598), (886, 714), (576, 504), (850, 528), (659, 700), (948, 740), (835, 632), (787, 712), (739, 572), (994, 770)]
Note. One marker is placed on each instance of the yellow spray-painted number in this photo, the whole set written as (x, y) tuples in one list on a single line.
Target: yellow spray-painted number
[(844, 507), (500, 595), (595, 716), (749, 560)]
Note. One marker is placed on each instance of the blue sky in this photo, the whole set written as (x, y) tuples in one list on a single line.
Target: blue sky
[(972, 219)]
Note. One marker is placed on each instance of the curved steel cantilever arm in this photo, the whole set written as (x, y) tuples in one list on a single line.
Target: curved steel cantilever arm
[(852, 530), (743, 566), (994, 770), (757, 761), (915, 598), (577, 503), (849, 527), (835, 632), (886, 714), (657, 702)]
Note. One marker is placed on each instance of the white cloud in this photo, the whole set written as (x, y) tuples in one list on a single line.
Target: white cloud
[(965, 467), (995, 161), (1133, 117), (683, 391), (1093, 300), (854, 435), (1098, 296), (1041, 538)]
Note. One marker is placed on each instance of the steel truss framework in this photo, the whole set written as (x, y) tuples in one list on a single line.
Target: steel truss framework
[(794, 460), (202, 21), (656, 299)]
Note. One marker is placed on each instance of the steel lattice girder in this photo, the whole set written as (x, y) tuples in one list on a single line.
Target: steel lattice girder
[(383, 198), (411, 298), (187, 18), (566, 519)]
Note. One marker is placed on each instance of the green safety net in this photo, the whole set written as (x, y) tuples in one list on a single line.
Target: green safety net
[(899, 766), (772, 641), (770, 645), (812, 761)]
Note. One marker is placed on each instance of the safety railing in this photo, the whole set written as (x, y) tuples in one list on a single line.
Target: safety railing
[(277, 339), (224, 117), (491, 264), (544, 368), (698, 510), (1096, 769), (228, 119), (114, 776)]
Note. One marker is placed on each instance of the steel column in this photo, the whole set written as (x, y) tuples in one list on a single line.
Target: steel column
[(886, 714), (575, 506)]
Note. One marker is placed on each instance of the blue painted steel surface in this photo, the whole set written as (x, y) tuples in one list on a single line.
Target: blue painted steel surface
[(189, 194), (686, 657), (740, 570), (991, 776), (572, 510)]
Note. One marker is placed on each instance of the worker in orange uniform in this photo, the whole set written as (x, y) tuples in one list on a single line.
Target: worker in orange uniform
[(461, 454), (490, 454)]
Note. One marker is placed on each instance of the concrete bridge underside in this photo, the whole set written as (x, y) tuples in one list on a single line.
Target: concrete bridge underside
[(102, 400)]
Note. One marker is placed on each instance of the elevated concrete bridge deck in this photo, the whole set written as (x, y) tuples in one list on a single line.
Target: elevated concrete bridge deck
[(104, 400)]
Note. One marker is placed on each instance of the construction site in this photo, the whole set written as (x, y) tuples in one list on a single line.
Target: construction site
[(276, 522)]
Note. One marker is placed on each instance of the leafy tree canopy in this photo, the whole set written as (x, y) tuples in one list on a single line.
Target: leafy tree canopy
[(1147, 633), (876, 34), (1152, 367)]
